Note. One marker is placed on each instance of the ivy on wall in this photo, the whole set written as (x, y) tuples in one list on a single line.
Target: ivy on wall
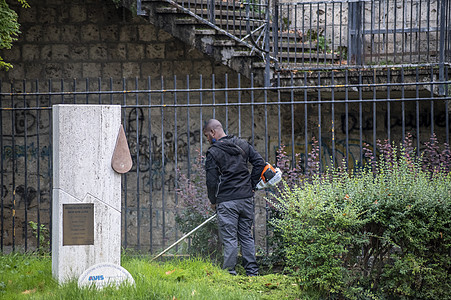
[(9, 29)]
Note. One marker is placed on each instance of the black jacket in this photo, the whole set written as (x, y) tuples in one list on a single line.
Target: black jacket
[(227, 172)]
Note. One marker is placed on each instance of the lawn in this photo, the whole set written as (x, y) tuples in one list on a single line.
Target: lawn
[(27, 276)]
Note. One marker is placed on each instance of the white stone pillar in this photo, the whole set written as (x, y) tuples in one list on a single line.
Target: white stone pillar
[(84, 138)]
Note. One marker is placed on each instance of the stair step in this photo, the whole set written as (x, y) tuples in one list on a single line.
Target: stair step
[(205, 31), (187, 21), (288, 35), (231, 16), (168, 10), (224, 43), (222, 14), (281, 35), (226, 5), (296, 46), (223, 23), (242, 53), (295, 67), (237, 23), (308, 56), (229, 5), (220, 11)]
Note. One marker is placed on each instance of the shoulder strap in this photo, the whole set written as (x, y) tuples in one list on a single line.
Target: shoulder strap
[(243, 153)]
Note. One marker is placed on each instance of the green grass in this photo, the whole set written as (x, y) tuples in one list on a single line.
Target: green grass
[(27, 276)]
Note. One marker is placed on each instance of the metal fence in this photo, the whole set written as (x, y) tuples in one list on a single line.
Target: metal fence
[(380, 32), (333, 33), (163, 118)]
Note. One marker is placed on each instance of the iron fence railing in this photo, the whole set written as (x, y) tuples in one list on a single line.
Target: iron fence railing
[(334, 33), (381, 32), (163, 119)]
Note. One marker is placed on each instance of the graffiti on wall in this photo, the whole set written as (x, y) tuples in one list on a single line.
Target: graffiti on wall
[(423, 120), (30, 151), (330, 156), (154, 155)]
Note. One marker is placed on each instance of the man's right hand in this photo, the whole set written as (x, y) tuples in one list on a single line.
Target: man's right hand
[(213, 206)]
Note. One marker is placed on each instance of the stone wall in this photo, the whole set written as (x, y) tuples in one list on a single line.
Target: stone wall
[(93, 38), (91, 45), (80, 45)]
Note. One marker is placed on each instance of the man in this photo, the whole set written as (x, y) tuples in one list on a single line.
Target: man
[(230, 189)]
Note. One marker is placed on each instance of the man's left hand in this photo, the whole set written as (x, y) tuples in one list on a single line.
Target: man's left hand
[(213, 206)]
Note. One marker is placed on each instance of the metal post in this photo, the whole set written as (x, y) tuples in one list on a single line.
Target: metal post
[(443, 31), (355, 33), (211, 11), (139, 10), (267, 55), (275, 31)]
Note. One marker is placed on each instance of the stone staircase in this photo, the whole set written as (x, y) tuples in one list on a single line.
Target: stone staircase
[(221, 29), (225, 37)]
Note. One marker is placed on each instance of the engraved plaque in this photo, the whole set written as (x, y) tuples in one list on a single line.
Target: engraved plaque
[(78, 224)]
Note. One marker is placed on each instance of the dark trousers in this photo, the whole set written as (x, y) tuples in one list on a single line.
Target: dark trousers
[(235, 218)]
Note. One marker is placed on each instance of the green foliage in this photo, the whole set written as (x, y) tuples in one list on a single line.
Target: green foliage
[(42, 234), (322, 44), (379, 231), (294, 174), (25, 276), (285, 24), (256, 7), (313, 35), (318, 226), (9, 29)]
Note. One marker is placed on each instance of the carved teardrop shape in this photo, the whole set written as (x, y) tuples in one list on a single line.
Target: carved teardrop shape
[(122, 160)]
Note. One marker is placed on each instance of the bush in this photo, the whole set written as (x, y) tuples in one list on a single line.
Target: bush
[(379, 231), (294, 174)]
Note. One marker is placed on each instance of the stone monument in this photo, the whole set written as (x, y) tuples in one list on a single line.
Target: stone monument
[(86, 216)]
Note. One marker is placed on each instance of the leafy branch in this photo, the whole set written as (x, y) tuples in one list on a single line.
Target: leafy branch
[(9, 29)]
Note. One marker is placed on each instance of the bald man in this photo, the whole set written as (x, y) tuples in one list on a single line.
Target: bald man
[(230, 189)]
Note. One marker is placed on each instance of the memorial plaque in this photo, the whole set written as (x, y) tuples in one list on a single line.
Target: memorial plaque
[(78, 224)]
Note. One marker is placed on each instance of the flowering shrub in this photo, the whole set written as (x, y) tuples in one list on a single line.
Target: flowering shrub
[(381, 231), (294, 174), (434, 159)]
